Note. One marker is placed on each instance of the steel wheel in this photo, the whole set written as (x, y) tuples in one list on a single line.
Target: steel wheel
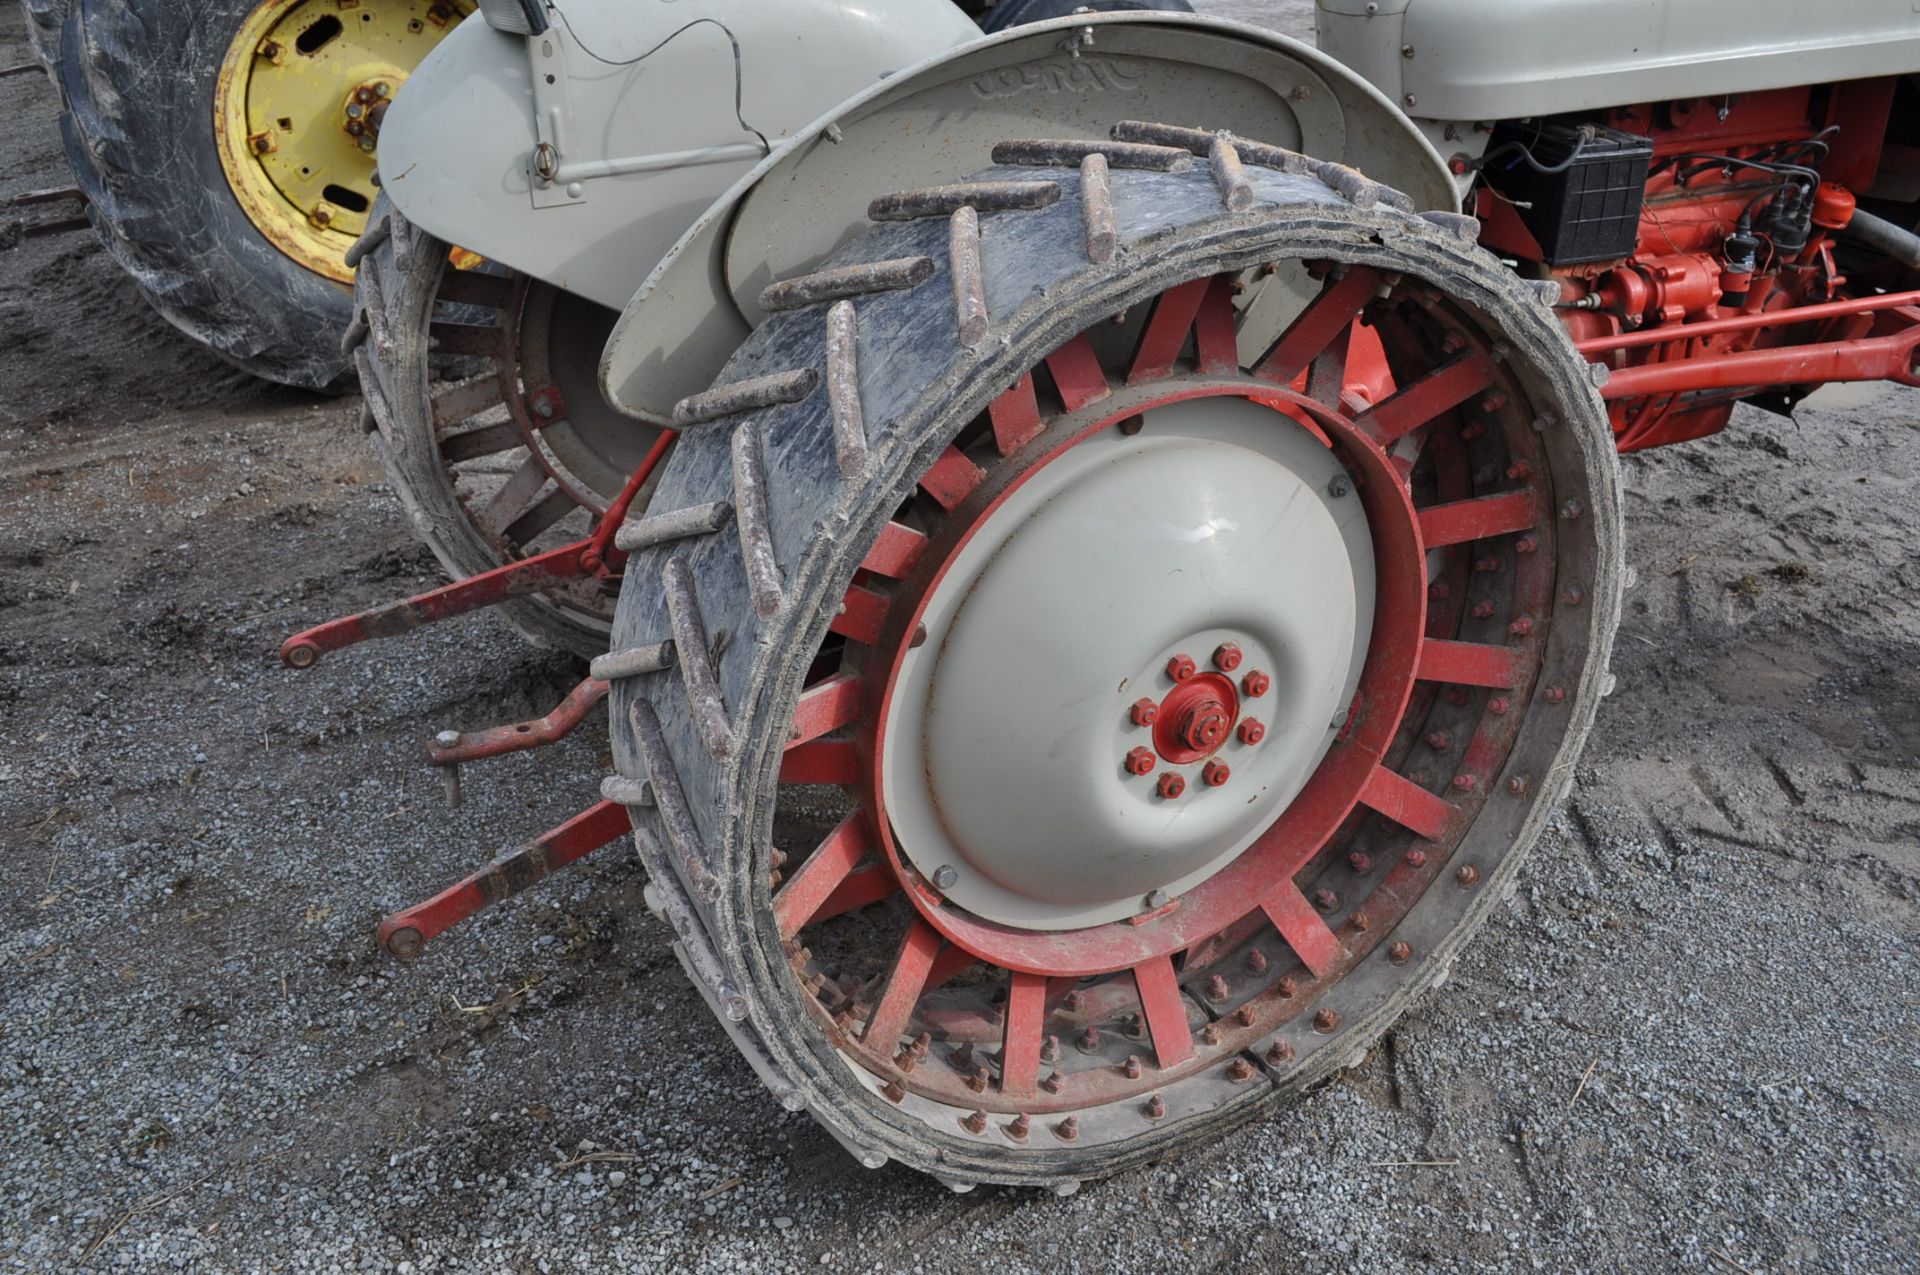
[(1190, 692), (484, 386)]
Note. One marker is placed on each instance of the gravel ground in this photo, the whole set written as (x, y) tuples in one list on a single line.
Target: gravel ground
[(1689, 1045)]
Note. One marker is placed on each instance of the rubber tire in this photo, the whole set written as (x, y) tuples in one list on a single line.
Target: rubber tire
[(395, 286), (142, 149), (44, 18), (722, 807), (1020, 13)]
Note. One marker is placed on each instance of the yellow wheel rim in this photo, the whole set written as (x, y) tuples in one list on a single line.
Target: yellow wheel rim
[(296, 113)]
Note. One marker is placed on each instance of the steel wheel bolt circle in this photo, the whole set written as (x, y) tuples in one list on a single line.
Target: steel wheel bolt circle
[(1216, 773), (1226, 657), (1181, 667), (1145, 711), (1171, 786), (1141, 761), (1256, 684), (1252, 731)]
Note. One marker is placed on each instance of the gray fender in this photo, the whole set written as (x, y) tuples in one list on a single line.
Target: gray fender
[(646, 104), (939, 120)]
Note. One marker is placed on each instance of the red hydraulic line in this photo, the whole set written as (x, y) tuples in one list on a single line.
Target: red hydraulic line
[(1883, 358), (1745, 322)]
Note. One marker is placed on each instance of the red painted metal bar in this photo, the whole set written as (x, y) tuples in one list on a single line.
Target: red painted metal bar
[(496, 741), (1302, 928), (1746, 322), (404, 933), (1880, 358), (601, 551)]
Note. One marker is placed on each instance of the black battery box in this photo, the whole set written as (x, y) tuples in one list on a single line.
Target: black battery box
[(1590, 209)]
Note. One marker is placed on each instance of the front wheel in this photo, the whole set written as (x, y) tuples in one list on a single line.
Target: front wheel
[(1191, 582)]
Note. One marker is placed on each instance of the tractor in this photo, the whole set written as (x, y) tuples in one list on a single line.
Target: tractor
[(1099, 539)]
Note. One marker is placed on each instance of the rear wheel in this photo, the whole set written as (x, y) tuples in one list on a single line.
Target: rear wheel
[(1110, 705), (231, 186)]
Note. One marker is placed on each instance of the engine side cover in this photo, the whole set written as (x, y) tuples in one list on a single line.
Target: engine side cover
[(1511, 59), (636, 82)]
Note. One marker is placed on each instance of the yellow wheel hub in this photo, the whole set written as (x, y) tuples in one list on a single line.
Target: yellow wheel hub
[(297, 110)]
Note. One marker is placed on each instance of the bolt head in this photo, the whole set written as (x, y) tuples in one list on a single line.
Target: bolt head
[(1239, 1070), (1465, 783), (1467, 875), (1526, 544), (1339, 486), (1416, 858), (1554, 694), (447, 738), (1279, 1052), (1171, 786), (945, 876), (1517, 785), (1155, 901), (1481, 610), (1325, 900), (1256, 684), (1521, 627), (1252, 731), (1216, 773), (1498, 705), (1181, 667), (1326, 1022), (1141, 761), (1145, 712), (1400, 952), (1226, 657)]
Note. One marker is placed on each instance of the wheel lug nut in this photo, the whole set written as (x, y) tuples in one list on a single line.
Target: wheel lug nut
[(1360, 861), (1439, 741), (1486, 564), (1521, 627), (1326, 1022), (1360, 922), (1210, 1034), (1279, 1053), (1156, 1107), (1171, 786), (1089, 1041), (1465, 783), (1244, 1015), (1286, 987), (1140, 761), (1072, 1001), (1256, 684), (1131, 1069), (1526, 544), (1498, 705), (976, 1123), (1467, 875), (1019, 1128), (1256, 961), (1226, 657), (892, 1092), (1438, 590), (1416, 858), (1053, 1082), (1144, 712), (1068, 1130), (1181, 667), (1481, 610), (1239, 1071), (1554, 694), (979, 1080), (1517, 785), (1217, 989), (1325, 900), (1519, 469), (1050, 1051), (1399, 952), (1216, 773), (1252, 731)]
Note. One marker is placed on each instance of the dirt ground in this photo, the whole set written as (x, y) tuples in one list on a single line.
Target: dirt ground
[(1689, 1045)]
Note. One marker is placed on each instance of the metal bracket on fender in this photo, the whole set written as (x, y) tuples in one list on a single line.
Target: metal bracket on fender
[(550, 186)]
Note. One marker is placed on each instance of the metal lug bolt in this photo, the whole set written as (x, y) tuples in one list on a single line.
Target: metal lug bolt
[(1498, 705), (905, 1060), (1481, 610), (1339, 486), (1068, 1130), (1286, 987), (1416, 858), (1050, 1050), (1452, 342), (1521, 627), (1217, 989), (1144, 712), (1279, 1053), (1131, 1068), (945, 876), (1574, 595), (963, 1056), (1360, 861), (1089, 1041), (1155, 901), (1472, 430), (1239, 1071), (1465, 783), (975, 1123), (1554, 694), (1156, 1107), (1326, 1022), (1072, 1001), (1325, 900), (1019, 1128), (1216, 773), (1210, 1034), (1171, 786), (447, 739), (1256, 961), (1493, 402), (1252, 731), (1244, 1015), (1141, 761), (1181, 667), (1468, 875), (1572, 509), (1053, 1082), (1399, 952), (892, 1092), (1517, 785), (1486, 564), (1439, 591), (1226, 657), (1439, 741), (1360, 922), (979, 1080), (1526, 544), (1256, 684)]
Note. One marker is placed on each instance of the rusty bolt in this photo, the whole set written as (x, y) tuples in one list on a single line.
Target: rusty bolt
[(1140, 761), (1239, 1070), (892, 1092), (1053, 1082), (1400, 952), (1279, 1053), (1360, 861), (1481, 610), (1468, 875), (1360, 922), (1089, 1040), (1156, 1107), (1050, 1050), (1439, 591), (1019, 1127), (1526, 544), (1489, 563), (1286, 986), (1144, 711), (1072, 1001), (976, 1123), (263, 144), (1465, 783), (1211, 1033), (1252, 731), (1574, 595), (1181, 667), (1439, 741), (1171, 786), (1493, 402), (1572, 509), (1554, 694), (1226, 657), (1416, 858), (1068, 1130), (1519, 469), (963, 1056), (1517, 785), (1498, 705), (1256, 961), (1256, 684), (1131, 1068), (979, 1080), (1472, 430), (905, 1060), (1217, 989), (1216, 773), (1521, 627), (1326, 1022), (1325, 900), (1452, 342)]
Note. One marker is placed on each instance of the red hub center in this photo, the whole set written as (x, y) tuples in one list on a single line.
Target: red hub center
[(1195, 718)]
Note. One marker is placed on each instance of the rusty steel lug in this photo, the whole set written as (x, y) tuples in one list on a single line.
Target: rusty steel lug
[(892, 1092), (1068, 1130), (1145, 712), (1181, 668), (1053, 1081), (1481, 610), (1439, 741), (1141, 761), (1131, 1068), (1399, 952), (1226, 657), (1244, 1015), (1360, 861), (1211, 1033), (1020, 1128), (1252, 731), (974, 1122), (963, 1056), (1491, 562), (1468, 875), (905, 1060), (1465, 783), (1256, 961), (979, 1080), (1286, 987), (1519, 469), (1279, 1053), (1050, 1050), (1572, 509), (1325, 900), (1072, 1002), (1155, 1108), (1326, 1021), (1360, 922), (1493, 402), (1088, 1041), (1416, 858), (1526, 544), (1239, 1071), (1521, 627), (1439, 591), (1255, 684), (1215, 774), (1517, 786), (1452, 343), (1498, 705), (1171, 786), (1217, 989), (1554, 694)]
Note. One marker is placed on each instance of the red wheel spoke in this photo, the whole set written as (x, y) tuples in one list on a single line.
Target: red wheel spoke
[(949, 965), (862, 887), (896, 551), (1477, 519), (824, 761), (1165, 1011), (1327, 376), (1020, 1043), (1407, 804), (1016, 416), (814, 882), (1326, 317), (862, 615), (1302, 927), (1441, 390), (904, 986), (1167, 331), (827, 706), (1216, 335), (952, 478), (1468, 663), (1077, 374)]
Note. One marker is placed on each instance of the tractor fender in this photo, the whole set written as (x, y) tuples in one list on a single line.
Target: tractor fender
[(1071, 78), (652, 108)]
